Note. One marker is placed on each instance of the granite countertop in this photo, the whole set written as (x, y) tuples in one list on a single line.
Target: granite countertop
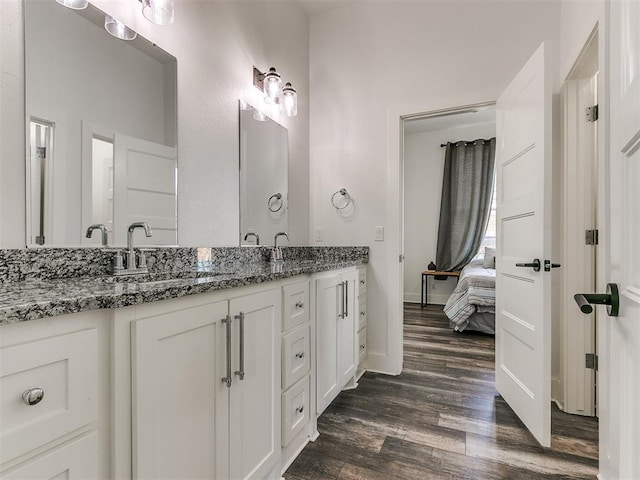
[(37, 298)]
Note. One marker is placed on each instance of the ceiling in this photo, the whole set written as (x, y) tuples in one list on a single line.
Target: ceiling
[(432, 124)]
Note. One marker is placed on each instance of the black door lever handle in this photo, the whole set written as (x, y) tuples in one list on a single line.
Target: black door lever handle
[(535, 264), (611, 299)]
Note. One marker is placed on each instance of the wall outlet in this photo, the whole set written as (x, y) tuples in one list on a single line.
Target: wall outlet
[(318, 235), (379, 234)]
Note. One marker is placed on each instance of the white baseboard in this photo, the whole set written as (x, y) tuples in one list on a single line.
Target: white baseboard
[(556, 392), (434, 299)]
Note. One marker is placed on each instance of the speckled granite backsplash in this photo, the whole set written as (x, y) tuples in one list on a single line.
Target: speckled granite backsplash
[(53, 263)]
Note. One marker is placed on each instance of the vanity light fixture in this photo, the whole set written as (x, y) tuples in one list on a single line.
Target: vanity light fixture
[(118, 29), (74, 4), (272, 85), (274, 94), (289, 101), (159, 12)]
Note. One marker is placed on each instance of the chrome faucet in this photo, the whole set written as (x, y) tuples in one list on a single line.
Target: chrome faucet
[(253, 234), (276, 253), (131, 254), (102, 228)]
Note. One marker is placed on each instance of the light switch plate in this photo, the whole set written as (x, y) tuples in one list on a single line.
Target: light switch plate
[(318, 235), (379, 234)]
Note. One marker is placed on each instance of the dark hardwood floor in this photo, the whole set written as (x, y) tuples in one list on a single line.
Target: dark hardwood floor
[(440, 419)]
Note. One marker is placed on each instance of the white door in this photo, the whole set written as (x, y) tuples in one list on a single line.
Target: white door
[(254, 402), (180, 406), (620, 339), (328, 302), (523, 295), (145, 190)]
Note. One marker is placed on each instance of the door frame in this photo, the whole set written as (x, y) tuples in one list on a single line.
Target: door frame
[(395, 212), (576, 387)]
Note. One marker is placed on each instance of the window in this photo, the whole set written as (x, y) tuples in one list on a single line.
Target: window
[(490, 235)]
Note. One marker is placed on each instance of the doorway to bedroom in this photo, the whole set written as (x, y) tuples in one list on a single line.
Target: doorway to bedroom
[(448, 163)]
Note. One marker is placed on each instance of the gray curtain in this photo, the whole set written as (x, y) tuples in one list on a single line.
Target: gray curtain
[(467, 189)]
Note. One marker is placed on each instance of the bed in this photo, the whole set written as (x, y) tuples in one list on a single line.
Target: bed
[(471, 306)]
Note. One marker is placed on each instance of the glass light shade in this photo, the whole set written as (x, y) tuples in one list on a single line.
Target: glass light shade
[(259, 116), (74, 4), (272, 87), (118, 29), (289, 101), (159, 12)]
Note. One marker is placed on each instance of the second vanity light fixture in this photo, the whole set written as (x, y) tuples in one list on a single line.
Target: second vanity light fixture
[(274, 93)]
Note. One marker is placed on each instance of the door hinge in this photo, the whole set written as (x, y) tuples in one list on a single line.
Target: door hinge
[(592, 113), (591, 237), (591, 361), (400, 258)]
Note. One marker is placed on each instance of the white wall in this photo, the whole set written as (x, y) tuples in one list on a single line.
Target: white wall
[(423, 170), (371, 59), (216, 44)]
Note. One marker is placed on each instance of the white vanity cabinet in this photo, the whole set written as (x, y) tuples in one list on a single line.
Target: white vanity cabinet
[(188, 420), (336, 338), (218, 385), (362, 319), (53, 398)]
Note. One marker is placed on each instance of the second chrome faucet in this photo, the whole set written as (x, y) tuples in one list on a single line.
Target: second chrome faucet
[(276, 253), (131, 266)]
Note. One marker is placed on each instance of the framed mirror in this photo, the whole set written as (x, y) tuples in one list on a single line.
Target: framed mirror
[(264, 167), (101, 118)]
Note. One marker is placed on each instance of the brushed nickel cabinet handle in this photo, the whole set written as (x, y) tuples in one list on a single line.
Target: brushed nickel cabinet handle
[(228, 379), (299, 305), (300, 355), (33, 396), (240, 371), (300, 409)]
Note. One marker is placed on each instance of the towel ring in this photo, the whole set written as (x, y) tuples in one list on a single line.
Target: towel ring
[(278, 197), (343, 192)]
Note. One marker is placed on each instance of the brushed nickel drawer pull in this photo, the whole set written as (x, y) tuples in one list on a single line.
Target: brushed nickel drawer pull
[(299, 305), (300, 409), (300, 355)]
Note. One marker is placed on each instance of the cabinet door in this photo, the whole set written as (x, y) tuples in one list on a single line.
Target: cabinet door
[(254, 400), (180, 405), (347, 330), (328, 306)]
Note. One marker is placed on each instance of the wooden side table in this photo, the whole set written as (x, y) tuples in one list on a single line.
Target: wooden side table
[(424, 297)]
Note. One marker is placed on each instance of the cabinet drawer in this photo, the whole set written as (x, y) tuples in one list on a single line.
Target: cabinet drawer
[(75, 460), (362, 344), (65, 368), (362, 312), (362, 281), (295, 410), (295, 305), (296, 355)]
